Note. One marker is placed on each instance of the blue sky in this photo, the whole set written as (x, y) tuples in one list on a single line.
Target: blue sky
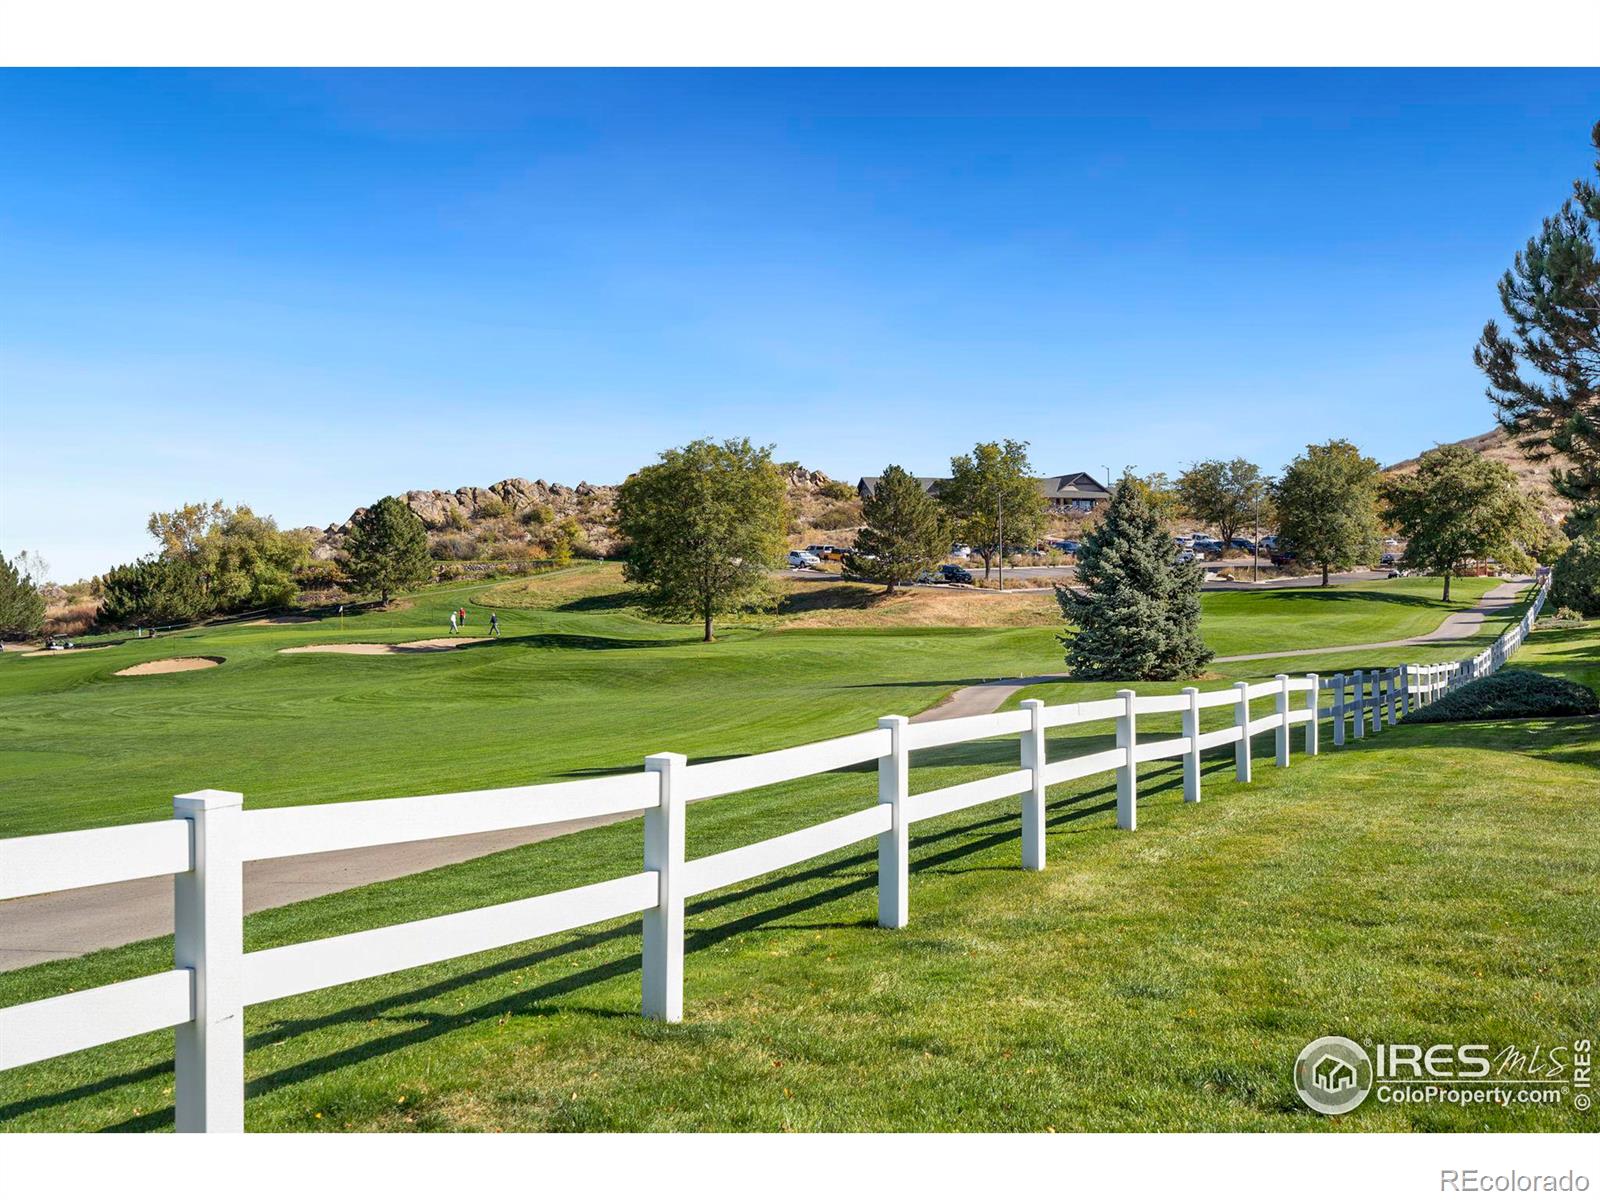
[(305, 290)]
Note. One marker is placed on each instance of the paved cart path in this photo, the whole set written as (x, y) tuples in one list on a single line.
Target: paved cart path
[(66, 924), (980, 698)]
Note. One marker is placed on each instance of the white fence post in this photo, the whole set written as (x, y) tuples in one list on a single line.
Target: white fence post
[(1128, 773), (1394, 699), (1033, 758), (1406, 673), (1359, 698), (894, 846), (1280, 737), (208, 924), (1241, 748), (1313, 726), (1191, 757), (1338, 709), (1378, 678), (663, 924)]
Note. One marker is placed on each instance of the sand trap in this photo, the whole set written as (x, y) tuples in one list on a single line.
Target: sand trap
[(170, 666), (53, 653), (283, 621), (426, 646)]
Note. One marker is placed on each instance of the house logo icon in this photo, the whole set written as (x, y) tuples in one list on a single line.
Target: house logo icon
[(1333, 1075)]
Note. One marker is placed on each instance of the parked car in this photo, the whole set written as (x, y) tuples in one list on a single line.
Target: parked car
[(1269, 542), (802, 559), (1187, 556), (960, 551), (1244, 544), (1282, 558), (827, 553), (952, 573), (1066, 545), (1389, 559)]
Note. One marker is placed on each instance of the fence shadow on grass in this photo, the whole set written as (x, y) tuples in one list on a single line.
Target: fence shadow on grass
[(937, 852)]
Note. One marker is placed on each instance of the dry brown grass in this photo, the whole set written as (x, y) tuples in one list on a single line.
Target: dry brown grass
[(1533, 477), (855, 605), (71, 618), (557, 588)]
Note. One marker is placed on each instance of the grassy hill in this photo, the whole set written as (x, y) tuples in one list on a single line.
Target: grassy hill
[(1534, 477)]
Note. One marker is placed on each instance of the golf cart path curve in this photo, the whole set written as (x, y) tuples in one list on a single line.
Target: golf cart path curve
[(980, 699), (67, 924)]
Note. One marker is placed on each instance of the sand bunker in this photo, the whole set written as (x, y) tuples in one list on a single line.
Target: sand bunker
[(426, 646), (53, 653), (170, 666), (300, 620)]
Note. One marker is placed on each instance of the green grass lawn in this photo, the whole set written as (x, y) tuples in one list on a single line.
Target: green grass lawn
[(1434, 883), (580, 683)]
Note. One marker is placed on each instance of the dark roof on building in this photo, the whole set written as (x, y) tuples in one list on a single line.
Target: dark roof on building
[(1077, 486)]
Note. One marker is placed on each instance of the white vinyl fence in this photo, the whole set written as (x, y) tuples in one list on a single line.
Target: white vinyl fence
[(210, 836)]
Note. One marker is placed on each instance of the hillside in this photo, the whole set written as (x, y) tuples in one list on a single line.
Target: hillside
[(521, 519), (1533, 476)]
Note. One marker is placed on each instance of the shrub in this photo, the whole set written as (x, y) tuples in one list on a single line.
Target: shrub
[(537, 515), (492, 506), (837, 489), (1576, 582), (1508, 694)]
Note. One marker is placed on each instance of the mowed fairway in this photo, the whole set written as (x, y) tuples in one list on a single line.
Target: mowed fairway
[(1429, 884), (580, 683)]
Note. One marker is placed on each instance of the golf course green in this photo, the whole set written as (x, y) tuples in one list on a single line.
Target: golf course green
[(1163, 979)]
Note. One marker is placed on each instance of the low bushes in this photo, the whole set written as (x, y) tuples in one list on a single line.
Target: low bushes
[(1510, 693)]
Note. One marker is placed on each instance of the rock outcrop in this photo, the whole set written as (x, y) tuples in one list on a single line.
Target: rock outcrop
[(515, 516)]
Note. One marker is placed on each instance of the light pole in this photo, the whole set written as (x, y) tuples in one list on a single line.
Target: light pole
[(1255, 550), (1000, 507)]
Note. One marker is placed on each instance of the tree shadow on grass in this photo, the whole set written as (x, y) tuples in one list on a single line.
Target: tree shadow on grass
[(937, 852), (571, 641)]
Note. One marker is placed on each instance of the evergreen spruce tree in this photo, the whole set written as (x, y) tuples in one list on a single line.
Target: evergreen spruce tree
[(388, 549), (906, 532), (1135, 612)]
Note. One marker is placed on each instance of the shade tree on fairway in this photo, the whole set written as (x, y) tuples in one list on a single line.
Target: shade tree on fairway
[(387, 549), (994, 500), (1544, 371), (1135, 611), (906, 531), (1458, 507), (703, 529), (1225, 495), (1326, 506), (21, 605)]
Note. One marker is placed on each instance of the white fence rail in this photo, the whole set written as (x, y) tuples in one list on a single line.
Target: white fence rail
[(210, 837)]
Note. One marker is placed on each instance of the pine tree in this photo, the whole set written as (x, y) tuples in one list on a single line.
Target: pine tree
[(906, 532), (388, 549), (1135, 613), (1551, 296)]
